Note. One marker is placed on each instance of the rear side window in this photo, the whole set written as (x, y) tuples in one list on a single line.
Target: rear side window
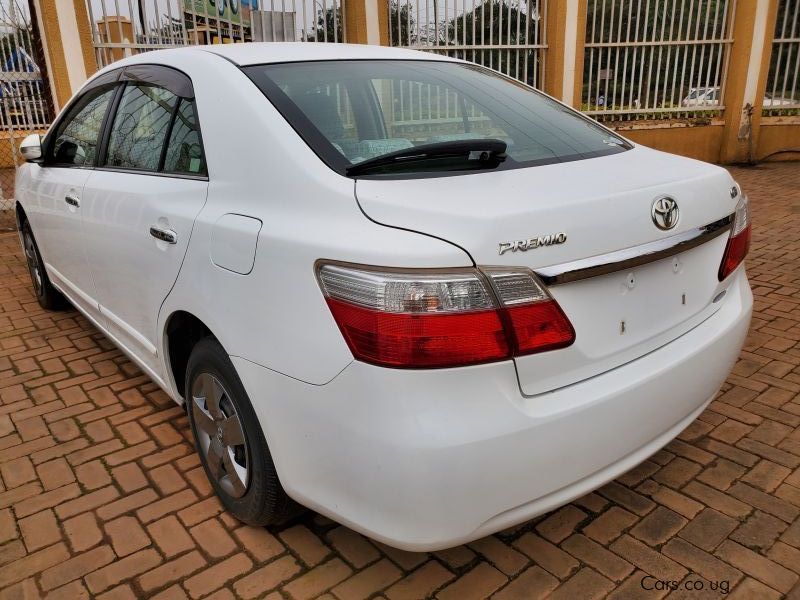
[(184, 154), (77, 136), (140, 127)]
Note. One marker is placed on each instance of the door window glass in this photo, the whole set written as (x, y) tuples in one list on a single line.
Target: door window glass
[(185, 149), (140, 127), (76, 138)]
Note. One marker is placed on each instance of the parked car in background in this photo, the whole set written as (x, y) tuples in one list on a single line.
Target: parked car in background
[(709, 96), (403, 290)]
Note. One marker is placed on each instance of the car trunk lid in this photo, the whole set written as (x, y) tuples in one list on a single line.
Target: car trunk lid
[(548, 217)]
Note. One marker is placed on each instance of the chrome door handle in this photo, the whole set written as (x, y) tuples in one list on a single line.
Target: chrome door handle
[(165, 235), (72, 200)]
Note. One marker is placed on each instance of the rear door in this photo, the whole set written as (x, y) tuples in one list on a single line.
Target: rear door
[(140, 204), (57, 192)]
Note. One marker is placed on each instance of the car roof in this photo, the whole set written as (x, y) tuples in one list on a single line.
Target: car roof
[(254, 53)]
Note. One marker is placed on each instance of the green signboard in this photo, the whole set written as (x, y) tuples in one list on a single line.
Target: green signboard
[(229, 11)]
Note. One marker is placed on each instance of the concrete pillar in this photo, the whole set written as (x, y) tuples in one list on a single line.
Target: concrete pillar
[(115, 29), (565, 33), (367, 22), (67, 44), (753, 32)]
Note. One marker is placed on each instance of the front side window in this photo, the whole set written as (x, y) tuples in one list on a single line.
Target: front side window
[(77, 136), (140, 127), (397, 106)]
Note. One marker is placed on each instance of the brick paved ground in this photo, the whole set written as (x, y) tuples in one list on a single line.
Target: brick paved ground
[(101, 492)]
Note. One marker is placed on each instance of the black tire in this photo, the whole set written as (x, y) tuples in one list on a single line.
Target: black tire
[(257, 499), (48, 297)]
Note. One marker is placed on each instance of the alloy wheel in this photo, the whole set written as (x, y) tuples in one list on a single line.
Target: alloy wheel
[(220, 435)]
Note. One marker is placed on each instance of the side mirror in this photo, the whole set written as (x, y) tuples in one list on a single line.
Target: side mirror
[(31, 148)]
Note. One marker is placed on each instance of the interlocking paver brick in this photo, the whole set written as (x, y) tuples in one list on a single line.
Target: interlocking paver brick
[(610, 525), (267, 578), (8, 526), (501, 555), (129, 477), (126, 535), (676, 501), (76, 567), (455, 558), (367, 582), (760, 530), (757, 566), (17, 472), (766, 475), (647, 559), (40, 530), (174, 570), (597, 557), (93, 474), (95, 461), (700, 562), (708, 529), (658, 526), (83, 532), (552, 558), (55, 473), (122, 569), (354, 548), (305, 544), (216, 576), (421, 582), (213, 539), (561, 523), (260, 543), (750, 589)]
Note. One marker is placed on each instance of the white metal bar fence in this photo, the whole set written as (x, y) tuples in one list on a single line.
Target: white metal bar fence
[(24, 97), (656, 59), (123, 27), (505, 35), (782, 95)]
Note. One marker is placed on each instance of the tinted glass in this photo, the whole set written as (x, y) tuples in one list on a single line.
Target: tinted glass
[(185, 149), (393, 105), (140, 127), (77, 136)]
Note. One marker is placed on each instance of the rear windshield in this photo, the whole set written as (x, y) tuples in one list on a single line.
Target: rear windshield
[(354, 111)]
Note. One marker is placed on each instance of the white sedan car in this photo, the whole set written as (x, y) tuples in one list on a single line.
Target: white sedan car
[(416, 296), (710, 96)]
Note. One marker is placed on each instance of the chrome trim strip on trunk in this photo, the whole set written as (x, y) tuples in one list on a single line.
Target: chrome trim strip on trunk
[(627, 258)]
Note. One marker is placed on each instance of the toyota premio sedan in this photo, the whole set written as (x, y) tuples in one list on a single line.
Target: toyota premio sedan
[(403, 290)]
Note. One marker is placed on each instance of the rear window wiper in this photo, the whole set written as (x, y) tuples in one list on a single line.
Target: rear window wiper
[(484, 153)]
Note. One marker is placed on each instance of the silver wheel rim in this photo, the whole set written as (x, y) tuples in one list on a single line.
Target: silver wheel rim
[(220, 435), (33, 263)]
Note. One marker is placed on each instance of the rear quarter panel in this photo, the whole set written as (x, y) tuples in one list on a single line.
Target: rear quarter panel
[(276, 315)]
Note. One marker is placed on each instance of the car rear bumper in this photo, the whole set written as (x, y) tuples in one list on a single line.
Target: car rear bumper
[(424, 460)]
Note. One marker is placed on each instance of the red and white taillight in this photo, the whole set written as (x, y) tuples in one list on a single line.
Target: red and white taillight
[(442, 318), (739, 240)]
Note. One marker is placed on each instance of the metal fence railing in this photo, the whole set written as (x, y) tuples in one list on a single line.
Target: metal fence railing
[(782, 95), (648, 59), (506, 35), (25, 101), (124, 27)]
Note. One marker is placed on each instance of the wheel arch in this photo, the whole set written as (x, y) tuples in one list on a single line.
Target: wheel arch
[(181, 333)]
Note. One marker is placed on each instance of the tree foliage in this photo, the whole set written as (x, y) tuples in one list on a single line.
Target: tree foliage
[(329, 26)]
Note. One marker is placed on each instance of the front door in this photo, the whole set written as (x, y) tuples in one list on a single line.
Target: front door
[(57, 193)]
